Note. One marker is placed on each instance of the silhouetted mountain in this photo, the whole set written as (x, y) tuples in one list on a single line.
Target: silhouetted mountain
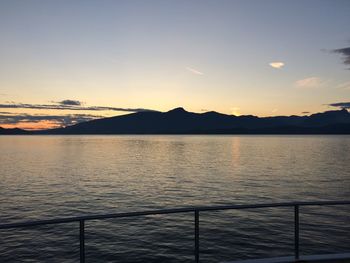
[(328, 117), (179, 121), (14, 131)]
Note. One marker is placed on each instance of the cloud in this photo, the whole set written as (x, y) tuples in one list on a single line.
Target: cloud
[(60, 120), (305, 112), (70, 102), (345, 52), (277, 64), (194, 71), (312, 82), (69, 106), (342, 105), (8, 118)]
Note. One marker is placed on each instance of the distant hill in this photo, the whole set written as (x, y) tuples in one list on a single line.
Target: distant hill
[(180, 121), (14, 131)]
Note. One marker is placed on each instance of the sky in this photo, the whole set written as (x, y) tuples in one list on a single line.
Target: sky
[(63, 62)]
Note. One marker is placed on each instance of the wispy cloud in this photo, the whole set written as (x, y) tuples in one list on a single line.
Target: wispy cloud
[(311, 82), (59, 120), (8, 118), (345, 52), (342, 105), (194, 71), (68, 105), (277, 64)]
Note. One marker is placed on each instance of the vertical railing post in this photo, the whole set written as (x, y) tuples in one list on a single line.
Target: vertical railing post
[(296, 232), (196, 235), (82, 241)]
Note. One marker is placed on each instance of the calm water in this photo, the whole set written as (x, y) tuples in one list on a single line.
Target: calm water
[(55, 176)]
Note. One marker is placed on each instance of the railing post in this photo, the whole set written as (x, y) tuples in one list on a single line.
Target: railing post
[(82, 241), (296, 232), (196, 235)]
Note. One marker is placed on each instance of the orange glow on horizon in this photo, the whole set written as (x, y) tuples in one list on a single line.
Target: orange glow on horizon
[(32, 126)]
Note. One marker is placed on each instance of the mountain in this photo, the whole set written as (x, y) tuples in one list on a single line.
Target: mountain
[(14, 131), (180, 121)]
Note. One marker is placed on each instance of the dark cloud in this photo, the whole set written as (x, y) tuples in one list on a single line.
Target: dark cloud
[(68, 106), (305, 112), (60, 120), (342, 105), (70, 102), (345, 52)]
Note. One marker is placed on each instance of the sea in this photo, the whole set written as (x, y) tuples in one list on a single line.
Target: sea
[(47, 177)]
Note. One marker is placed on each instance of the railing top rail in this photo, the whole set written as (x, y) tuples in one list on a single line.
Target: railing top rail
[(169, 211)]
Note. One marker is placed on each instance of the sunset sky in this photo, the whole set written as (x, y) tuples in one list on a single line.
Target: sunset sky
[(63, 62)]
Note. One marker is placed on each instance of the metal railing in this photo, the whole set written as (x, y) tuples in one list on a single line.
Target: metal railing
[(195, 210)]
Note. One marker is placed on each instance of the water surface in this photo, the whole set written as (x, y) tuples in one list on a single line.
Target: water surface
[(55, 176)]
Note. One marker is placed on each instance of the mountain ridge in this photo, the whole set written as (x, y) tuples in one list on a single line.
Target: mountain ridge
[(180, 121)]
